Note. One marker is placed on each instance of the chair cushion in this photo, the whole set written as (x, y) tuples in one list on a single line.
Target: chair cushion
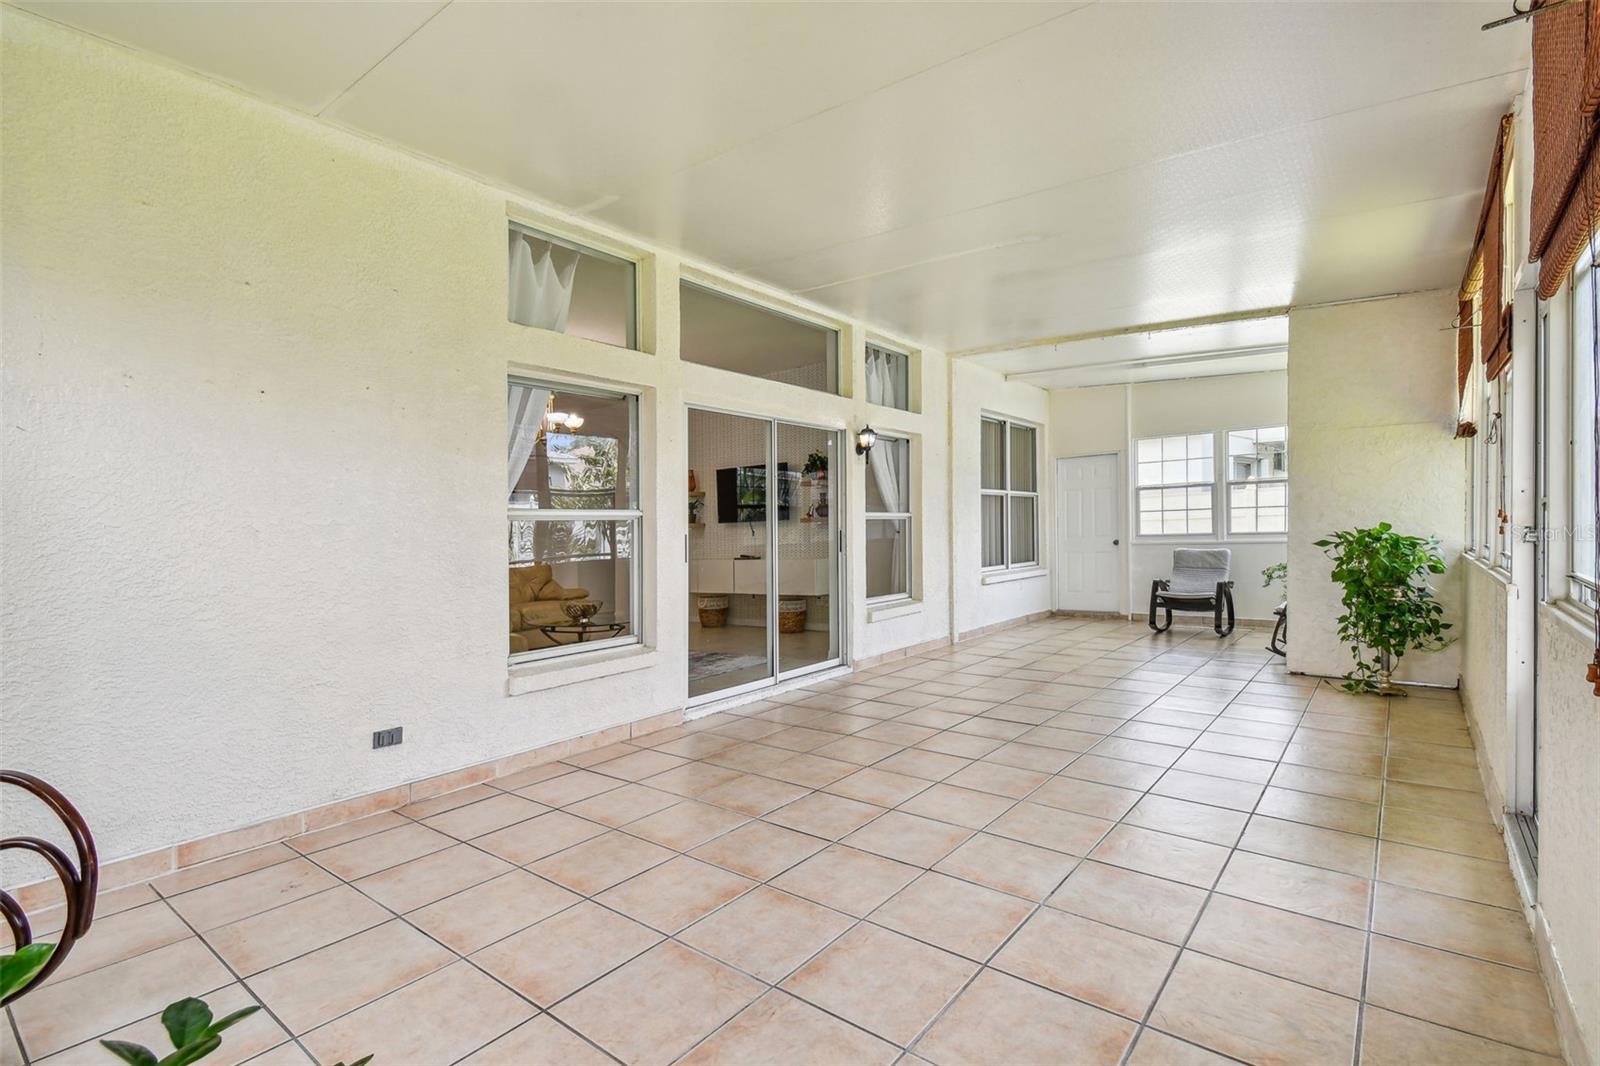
[(1198, 571)]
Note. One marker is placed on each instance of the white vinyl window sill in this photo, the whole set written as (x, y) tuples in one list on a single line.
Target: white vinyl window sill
[(1492, 569), (557, 673), (1000, 577), (1574, 616), (882, 612)]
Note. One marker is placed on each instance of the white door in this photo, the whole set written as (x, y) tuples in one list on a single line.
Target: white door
[(1089, 574)]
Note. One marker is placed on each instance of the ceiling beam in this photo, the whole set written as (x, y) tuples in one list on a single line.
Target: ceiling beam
[(1149, 327)]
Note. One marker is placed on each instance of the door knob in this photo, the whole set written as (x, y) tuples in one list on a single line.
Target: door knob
[(1116, 542)]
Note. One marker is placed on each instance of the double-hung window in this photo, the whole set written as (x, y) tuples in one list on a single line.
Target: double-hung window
[(572, 518), (1258, 480), (889, 519), (1176, 482), (1581, 576), (1010, 494)]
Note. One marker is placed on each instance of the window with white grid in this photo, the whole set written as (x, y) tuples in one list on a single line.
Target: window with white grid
[(1258, 480), (1176, 479)]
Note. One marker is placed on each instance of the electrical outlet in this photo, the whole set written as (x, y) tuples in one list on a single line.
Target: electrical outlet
[(387, 738)]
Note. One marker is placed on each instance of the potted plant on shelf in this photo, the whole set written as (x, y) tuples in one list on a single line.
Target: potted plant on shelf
[(1389, 607), (816, 466)]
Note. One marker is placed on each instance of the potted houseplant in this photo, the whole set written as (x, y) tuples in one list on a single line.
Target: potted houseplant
[(816, 466), (1389, 607)]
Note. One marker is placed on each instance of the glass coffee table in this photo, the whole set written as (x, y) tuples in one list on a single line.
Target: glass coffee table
[(582, 630)]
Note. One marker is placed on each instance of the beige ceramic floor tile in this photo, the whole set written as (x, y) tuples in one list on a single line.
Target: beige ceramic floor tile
[(878, 787), (1461, 876), (822, 814), (686, 825), (782, 1029), (759, 850), (1294, 886), (958, 916), (1001, 1019), (658, 1006), (1198, 821), (1099, 964), (1156, 1048), (1086, 797), (1000, 780), (886, 983), (847, 880), (1389, 1039), (1442, 834), (485, 816), (121, 936), (542, 1040), (561, 954), (1254, 1017), (1347, 816), (437, 1019), (1051, 827), (207, 873), (752, 795), (958, 806), (343, 834), (538, 837), (1194, 862), (1203, 788), (1314, 952), (675, 894), (1130, 900), (1492, 933), (314, 988), (1008, 865), (433, 877), (1348, 853), (59, 1014), (569, 788), (596, 864), (494, 909), (908, 838), (243, 1041), (380, 851), (239, 897), (1495, 1002), (767, 933), (1135, 776), (272, 937)]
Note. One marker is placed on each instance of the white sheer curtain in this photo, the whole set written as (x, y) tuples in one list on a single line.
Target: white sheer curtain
[(886, 385), (890, 463), (525, 407), (541, 291)]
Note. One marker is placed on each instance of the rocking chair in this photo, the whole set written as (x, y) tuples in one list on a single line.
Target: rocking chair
[(1199, 582)]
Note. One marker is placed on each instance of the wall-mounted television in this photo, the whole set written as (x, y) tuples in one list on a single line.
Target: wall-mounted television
[(742, 493)]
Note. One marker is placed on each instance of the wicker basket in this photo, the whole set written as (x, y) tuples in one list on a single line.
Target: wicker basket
[(791, 616), (713, 612)]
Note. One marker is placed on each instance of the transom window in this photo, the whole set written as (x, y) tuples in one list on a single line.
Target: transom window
[(1258, 485), (573, 518), (565, 287), (888, 378), (1176, 482), (1010, 494)]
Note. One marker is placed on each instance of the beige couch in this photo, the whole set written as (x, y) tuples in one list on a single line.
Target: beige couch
[(536, 599)]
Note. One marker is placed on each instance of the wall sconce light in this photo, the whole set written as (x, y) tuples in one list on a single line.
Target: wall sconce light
[(866, 437)]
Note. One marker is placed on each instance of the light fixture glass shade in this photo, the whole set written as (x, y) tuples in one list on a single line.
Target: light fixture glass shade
[(866, 437)]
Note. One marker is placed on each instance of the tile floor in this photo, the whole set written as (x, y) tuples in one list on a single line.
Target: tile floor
[(1071, 842)]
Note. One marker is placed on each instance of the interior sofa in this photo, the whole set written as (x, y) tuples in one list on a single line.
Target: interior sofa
[(536, 599)]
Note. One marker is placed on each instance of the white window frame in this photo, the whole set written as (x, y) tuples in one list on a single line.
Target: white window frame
[(1211, 534), (1007, 493), (632, 341), (1578, 588), (1230, 482), (907, 520), (516, 513), (1505, 528)]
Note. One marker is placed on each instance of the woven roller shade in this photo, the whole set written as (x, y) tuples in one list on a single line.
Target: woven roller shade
[(1566, 109), (1486, 266)]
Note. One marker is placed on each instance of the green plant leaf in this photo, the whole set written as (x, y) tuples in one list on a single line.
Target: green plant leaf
[(193, 1052), (186, 1021), (233, 1019), (362, 1061), (135, 1054), (18, 971)]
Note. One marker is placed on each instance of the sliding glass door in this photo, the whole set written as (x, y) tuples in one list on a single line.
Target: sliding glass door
[(764, 551)]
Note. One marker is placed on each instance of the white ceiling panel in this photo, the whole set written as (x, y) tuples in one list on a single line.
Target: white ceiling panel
[(969, 175), (1254, 334), (303, 53), (579, 102)]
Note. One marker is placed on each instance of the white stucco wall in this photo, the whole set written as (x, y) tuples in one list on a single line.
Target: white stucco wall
[(254, 404), (1483, 674), (1108, 418), (985, 599), (1371, 416)]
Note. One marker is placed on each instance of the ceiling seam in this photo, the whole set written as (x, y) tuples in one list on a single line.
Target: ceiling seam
[(734, 147), (1134, 167), (348, 89)]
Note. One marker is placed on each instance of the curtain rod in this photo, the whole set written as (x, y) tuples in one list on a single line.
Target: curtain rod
[(1518, 14)]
